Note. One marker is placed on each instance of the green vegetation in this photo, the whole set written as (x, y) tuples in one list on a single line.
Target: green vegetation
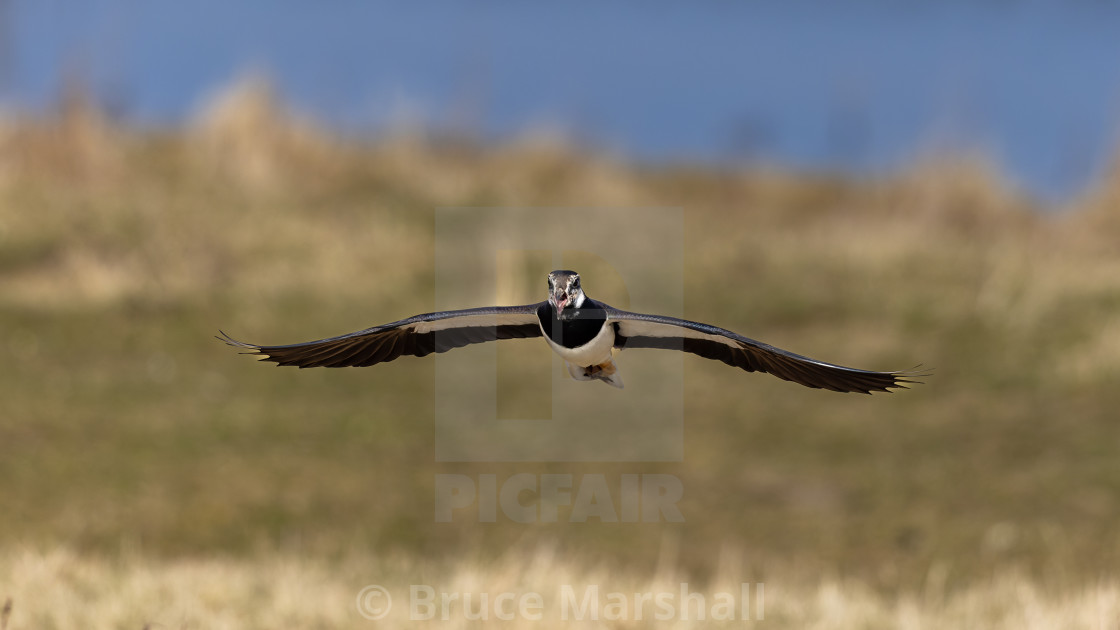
[(124, 424)]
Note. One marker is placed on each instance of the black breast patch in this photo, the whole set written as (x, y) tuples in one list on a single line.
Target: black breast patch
[(577, 327)]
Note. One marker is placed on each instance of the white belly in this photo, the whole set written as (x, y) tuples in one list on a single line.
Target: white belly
[(594, 352)]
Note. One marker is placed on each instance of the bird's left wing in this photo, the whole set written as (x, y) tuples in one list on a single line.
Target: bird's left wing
[(419, 335), (639, 330)]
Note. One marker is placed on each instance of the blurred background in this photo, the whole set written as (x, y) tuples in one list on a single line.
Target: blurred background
[(856, 87), (870, 183)]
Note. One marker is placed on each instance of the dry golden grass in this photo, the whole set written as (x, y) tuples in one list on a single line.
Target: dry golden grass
[(61, 589), (987, 497)]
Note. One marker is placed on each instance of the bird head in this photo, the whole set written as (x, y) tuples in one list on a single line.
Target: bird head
[(564, 290)]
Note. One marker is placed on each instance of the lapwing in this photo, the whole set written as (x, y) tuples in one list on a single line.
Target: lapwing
[(582, 331)]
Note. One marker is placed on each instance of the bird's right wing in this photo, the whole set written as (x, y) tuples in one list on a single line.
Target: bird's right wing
[(419, 336)]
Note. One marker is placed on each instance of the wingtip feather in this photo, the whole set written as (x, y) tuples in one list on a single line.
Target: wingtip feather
[(230, 341)]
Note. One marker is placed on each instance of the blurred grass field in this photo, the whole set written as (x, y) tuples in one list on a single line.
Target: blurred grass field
[(126, 426)]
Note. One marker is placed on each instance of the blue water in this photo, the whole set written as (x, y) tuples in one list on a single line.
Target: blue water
[(863, 86)]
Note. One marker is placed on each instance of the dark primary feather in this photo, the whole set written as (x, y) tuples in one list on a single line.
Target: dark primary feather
[(638, 330), (385, 343)]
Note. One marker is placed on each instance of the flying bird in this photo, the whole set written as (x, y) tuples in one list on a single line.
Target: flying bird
[(582, 331)]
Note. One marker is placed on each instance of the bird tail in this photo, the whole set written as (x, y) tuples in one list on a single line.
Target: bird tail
[(606, 372)]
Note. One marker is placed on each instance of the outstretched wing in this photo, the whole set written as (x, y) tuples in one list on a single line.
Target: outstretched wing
[(638, 330), (418, 336)]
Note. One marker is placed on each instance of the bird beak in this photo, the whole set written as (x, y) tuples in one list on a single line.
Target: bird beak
[(560, 299)]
